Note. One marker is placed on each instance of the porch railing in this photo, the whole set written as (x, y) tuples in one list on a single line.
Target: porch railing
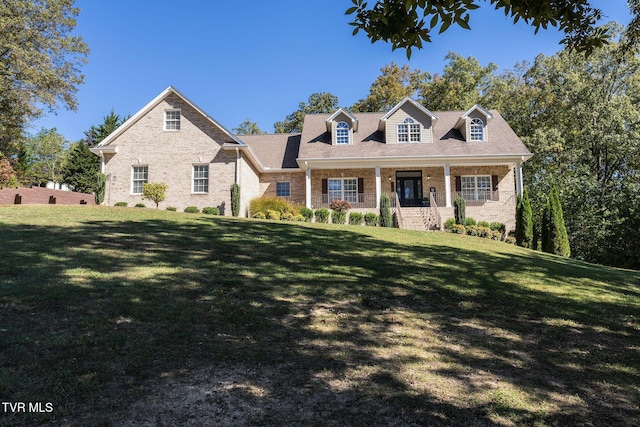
[(398, 211), (473, 198), (362, 201), (435, 210)]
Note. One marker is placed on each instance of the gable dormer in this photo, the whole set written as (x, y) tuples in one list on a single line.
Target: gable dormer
[(473, 124), (408, 122), (341, 125)]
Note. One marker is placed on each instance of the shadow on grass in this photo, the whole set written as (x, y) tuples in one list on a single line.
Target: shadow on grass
[(95, 317)]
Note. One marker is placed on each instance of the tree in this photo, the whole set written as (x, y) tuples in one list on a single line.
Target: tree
[(390, 88), (408, 23), (154, 191), (40, 63), (554, 233), (524, 221), (386, 219), (80, 168), (235, 199), (321, 102), (247, 127), (110, 123), (7, 175), (47, 154)]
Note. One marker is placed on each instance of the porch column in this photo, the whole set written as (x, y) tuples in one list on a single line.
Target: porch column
[(378, 187), (519, 177), (447, 185), (307, 187)]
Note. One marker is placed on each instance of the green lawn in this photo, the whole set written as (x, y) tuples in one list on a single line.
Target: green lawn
[(117, 316)]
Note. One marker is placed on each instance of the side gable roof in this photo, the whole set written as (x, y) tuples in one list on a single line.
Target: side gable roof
[(144, 110), (399, 105)]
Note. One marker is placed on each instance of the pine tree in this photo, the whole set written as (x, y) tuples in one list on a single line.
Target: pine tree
[(554, 232), (80, 168), (524, 221)]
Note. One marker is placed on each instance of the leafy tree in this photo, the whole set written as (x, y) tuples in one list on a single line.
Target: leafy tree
[(80, 169), (321, 102), (7, 175), (47, 153), (247, 127), (40, 63), (409, 23), (110, 123), (524, 221), (386, 219), (235, 199), (391, 87), (154, 191)]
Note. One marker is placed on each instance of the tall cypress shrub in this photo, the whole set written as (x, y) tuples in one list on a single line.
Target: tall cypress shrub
[(459, 207), (554, 233), (235, 199), (524, 221), (101, 183), (386, 219)]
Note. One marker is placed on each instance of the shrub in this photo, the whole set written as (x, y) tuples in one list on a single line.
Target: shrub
[(386, 220), (101, 183), (524, 221), (271, 214), (355, 218), (192, 209), (459, 210), (496, 234), (267, 203), (209, 210), (449, 223), (484, 232), (235, 199), (286, 216), (371, 219), (140, 205), (498, 226), (338, 217), (299, 218), (458, 229), (154, 191), (125, 204), (468, 222), (338, 205), (171, 208), (511, 240), (471, 230), (306, 213), (322, 215), (259, 215), (483, 224)]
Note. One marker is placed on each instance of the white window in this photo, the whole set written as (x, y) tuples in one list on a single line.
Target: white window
[(139, 177), (283, 189), (409, 131), (476, 130), (476, 187), (342, 133), (172, 120), (343, 189), (201, 178)]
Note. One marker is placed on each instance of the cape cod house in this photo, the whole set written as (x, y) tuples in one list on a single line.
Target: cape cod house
[(422, 159)]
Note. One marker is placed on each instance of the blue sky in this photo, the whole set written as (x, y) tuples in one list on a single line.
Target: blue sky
[(258, 59)]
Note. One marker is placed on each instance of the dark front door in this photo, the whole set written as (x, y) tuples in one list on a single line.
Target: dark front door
[(409, 187)]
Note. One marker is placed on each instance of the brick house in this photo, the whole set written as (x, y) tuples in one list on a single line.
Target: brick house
[(422, 159)]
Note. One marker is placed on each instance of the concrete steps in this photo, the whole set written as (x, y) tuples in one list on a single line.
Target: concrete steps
[(419, 218)]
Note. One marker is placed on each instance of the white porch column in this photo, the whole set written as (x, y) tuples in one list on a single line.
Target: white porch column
[(519, 177), (447, 185), (378, 187), (307, 187)]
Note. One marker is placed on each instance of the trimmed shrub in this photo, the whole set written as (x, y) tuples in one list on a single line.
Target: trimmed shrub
[(192, 209), (259, 215), (271, 214), (306, 213), (154, 191), (385, 220), (340, 205), (338, 217), (286, 216), (459, 210), (122, 204), (171, 208), (458, 229), (524, 221), (267, 203), (483, 224), (449, 223), (496, 235), (511, 240), (299, 218), (355, 218), (209, 210), (322, 215), (498, 226), (235, 199), (370, 219), (140, 205), (469, 222)]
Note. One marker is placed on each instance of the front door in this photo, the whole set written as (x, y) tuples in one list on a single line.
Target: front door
[(409, 187)]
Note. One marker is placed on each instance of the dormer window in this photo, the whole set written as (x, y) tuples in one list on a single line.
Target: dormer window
[(172, 120), (409, 131), (476, 130), (342, 133)]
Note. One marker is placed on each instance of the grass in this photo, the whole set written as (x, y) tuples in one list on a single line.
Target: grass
[(114, 315)]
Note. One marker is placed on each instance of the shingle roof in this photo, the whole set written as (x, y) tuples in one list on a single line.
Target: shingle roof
[(275, 151), (368, 142)]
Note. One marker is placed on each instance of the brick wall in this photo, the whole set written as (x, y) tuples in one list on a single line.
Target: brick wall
[(43, 196)]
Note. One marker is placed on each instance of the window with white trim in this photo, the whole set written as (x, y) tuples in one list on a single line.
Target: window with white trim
[(477, 187), (342, 133), (283, 189), (200, 178), (476, 130), (172, 120), (139, 177), (409, 131), (343, 189)]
